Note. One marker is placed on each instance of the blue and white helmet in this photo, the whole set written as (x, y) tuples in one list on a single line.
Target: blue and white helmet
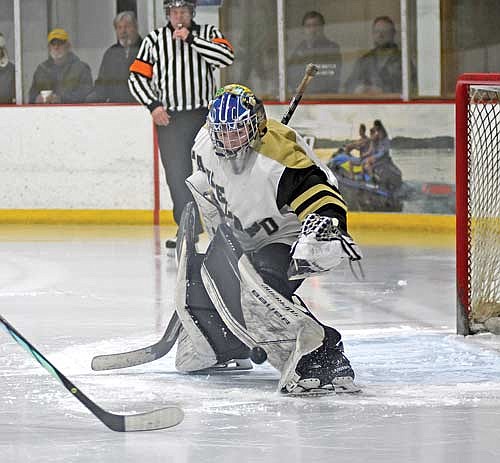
[(236, 120)]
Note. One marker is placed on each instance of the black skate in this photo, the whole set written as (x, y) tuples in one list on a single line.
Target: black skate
[(323, 371)]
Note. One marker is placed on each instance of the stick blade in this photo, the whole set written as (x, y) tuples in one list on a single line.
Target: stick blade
[(150, 421), (140, 356), (123, 360)]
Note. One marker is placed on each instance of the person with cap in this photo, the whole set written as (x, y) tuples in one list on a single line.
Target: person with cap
[(63, 77), (7, 75)]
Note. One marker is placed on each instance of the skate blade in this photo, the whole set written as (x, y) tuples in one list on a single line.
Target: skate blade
[(309, 393), (233, 365), (345, 385)]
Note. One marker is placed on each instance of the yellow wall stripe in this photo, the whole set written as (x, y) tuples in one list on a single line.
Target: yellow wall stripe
[(395, 221), (83, 216), (356, 220)]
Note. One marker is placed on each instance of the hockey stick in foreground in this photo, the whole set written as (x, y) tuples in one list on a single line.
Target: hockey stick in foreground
[(156, 419), (163, 346)]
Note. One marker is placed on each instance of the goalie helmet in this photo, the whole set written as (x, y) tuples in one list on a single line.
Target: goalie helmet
[(167, 4), (236, 120)]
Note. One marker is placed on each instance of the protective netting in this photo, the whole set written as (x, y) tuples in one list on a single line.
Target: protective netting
[(484, 203)]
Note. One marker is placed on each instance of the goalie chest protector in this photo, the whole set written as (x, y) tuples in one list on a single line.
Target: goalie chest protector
[(248, 198)]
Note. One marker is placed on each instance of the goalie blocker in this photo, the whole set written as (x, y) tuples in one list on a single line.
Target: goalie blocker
[(226, 307)]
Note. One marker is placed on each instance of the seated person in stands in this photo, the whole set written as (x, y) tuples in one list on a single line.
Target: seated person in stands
[(111, 86), (7, 75), (380, 69), (63, 77), (316, 48)]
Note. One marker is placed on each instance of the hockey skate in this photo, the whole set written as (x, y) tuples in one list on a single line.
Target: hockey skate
[(323, 371)]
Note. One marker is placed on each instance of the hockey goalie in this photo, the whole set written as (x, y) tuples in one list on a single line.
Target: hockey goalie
[(274, 216)]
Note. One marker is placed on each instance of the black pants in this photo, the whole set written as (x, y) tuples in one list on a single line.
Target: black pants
[(272, 262), (175, 142)]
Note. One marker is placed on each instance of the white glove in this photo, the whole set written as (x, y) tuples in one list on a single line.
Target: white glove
[(321, 246)]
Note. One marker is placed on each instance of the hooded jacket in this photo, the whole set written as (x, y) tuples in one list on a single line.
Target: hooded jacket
[(71, 80), (7, 83)]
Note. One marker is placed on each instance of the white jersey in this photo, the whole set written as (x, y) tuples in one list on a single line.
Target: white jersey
[(248, 199)]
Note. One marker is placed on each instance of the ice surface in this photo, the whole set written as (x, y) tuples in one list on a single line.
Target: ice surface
[(428, 394)]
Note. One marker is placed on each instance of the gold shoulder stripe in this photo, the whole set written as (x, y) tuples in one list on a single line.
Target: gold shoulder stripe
[(320, 203), (280, 144), (302, 198)]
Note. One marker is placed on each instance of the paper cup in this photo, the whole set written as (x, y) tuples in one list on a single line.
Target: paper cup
[(45, 95)]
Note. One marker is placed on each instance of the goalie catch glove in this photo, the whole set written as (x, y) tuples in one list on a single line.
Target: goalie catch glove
[(321, 246)]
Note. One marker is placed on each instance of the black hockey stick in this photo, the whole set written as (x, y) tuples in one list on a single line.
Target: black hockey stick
[(165, 344), (156, 419), (140, 356), (311, 71)]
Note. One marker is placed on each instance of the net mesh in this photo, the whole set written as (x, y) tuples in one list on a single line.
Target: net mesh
[(484, 203)]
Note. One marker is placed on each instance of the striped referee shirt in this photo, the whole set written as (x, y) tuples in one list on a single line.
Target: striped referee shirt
[(177, 74)]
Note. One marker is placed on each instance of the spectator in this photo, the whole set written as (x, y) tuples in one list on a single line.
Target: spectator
[(173, 76), (62, 78), (111, 84), (379, 70), (7, 75), (318, 49)]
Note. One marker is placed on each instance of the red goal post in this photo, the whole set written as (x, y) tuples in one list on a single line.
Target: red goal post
[(478, 202)]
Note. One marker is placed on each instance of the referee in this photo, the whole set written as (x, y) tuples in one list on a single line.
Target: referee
[(173, 76)]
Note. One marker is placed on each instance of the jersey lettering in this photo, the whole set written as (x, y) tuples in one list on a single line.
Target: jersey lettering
[(268, 225)]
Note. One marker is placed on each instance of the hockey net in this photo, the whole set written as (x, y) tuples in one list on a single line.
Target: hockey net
[(478, 203)]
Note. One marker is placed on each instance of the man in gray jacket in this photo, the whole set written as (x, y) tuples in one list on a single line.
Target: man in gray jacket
[(379, 70)]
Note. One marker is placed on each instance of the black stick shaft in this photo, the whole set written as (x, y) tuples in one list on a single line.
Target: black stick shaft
[(310, 72), (158, 419)]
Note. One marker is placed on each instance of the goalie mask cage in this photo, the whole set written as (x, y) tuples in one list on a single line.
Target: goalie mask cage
[(478, 202)]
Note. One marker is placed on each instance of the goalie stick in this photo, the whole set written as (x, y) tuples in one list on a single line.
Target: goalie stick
[(165, 344), (140, 356), (157, 419), (311, 71)]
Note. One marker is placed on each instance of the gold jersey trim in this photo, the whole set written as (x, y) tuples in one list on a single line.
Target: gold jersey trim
[(280, 145), (320, 203), (303, 197)]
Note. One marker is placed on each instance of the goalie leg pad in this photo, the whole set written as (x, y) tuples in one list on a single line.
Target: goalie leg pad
[(255, 312), (204, 340)]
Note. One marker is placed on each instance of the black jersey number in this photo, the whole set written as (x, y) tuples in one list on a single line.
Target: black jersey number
[(268, 225)]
